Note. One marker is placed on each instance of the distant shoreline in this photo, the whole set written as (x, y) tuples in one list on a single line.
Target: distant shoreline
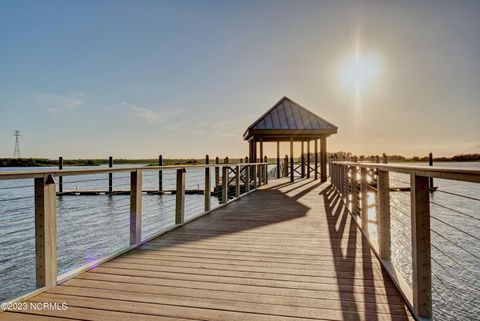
[(44, 162)]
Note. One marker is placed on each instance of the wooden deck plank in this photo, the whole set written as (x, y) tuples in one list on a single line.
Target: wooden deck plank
[(289, 251)]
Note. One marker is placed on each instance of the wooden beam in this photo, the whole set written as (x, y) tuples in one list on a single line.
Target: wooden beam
[(224, 184), (237, 181), (308, 159), (364, 198), (136, 207), (421, 261), (355, 196), (316, 160), (383, 215), (278, 159), (208, 188), (323, 159), (160, 174), (110, 175), (180, 197), (292, 178), (302, 160), (45, 231)]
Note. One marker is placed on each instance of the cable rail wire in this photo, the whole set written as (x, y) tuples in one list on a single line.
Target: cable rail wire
[(400, 181), (460, 247), (459, 195), (399, 210), (454, 210), (15, 187), (17, 198), (456, 228), (454, 261), (466, 286)]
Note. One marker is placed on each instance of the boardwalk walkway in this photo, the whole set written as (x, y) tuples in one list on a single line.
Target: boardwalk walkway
[(286, 252)]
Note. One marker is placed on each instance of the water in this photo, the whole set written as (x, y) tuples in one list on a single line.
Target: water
[(88, 227), (91, 227)]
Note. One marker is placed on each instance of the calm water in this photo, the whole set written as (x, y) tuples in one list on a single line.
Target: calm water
[(90, 227)]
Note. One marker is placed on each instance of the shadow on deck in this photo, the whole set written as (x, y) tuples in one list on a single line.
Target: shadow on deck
[(288, 251)]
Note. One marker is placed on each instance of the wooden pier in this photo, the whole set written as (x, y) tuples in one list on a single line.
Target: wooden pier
[(289, 251)]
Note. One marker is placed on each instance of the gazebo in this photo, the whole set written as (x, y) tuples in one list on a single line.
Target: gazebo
[(289, 121)]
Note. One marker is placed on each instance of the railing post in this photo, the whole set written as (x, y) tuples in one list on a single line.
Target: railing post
[(265, 172), (60, 178), (160, 174), (247, 179), (237, 181), (315, 149), (217, 172), (255, 185), (364, 198), (180, 197), (110, 175), (421, 262), (208, 188), (46, 231), (383, 215), (355, 196), (136, 207), (224, 184)]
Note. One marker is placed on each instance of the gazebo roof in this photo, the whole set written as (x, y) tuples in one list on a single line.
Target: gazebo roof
[(288, 119)]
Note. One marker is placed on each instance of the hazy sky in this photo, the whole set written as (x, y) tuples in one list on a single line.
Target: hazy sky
[(185, 78)]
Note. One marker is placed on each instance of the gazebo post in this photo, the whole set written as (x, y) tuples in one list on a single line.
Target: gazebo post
[(278, 159), (260, 169), (308, 158), (291, 160), (323, 159), (302, 160), (316, 160)]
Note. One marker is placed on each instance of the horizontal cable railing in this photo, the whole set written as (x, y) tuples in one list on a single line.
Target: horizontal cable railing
[(50, 234), (425, 236)]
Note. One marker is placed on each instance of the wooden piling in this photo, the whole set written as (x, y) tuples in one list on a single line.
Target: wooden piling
[(208, 189), (45, 231), (180, 197), (60, 178), (217, 172), (136, 207), (110, 175), (160, 174), (430, 163)]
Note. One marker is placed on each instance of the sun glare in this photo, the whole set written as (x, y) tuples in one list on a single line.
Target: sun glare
[(360, 71)]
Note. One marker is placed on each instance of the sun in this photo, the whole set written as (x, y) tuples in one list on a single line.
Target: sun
[(361, 71)]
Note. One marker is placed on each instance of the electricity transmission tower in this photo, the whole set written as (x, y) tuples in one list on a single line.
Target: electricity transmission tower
[(16, 152)]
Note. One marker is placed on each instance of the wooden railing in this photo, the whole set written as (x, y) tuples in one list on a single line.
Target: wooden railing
[(353, 181), (236, 180)]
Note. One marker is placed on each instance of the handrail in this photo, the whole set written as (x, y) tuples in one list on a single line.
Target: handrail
[(45, 209), (350, 179), (459, 174), (91, 171)]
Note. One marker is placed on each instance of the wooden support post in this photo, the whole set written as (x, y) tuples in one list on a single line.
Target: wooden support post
[(291, 161), (110, 175), (323, 159), (237, 181), (46, 231), (285, 166), (308, 159), (430, 163), (260, 168), (180, 197), (421, 261), (247, 178), (278, 160), (217, 172), (136, 207), (224, 184), (383, 215), (208, 189), (347, 186), (302, 160), (364, 198), (255, 185), (265, 170), (355, 196), (60, 178), (316, 160), (160, 174)]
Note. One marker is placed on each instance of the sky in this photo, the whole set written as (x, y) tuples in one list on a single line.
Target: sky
[(135, 79)]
